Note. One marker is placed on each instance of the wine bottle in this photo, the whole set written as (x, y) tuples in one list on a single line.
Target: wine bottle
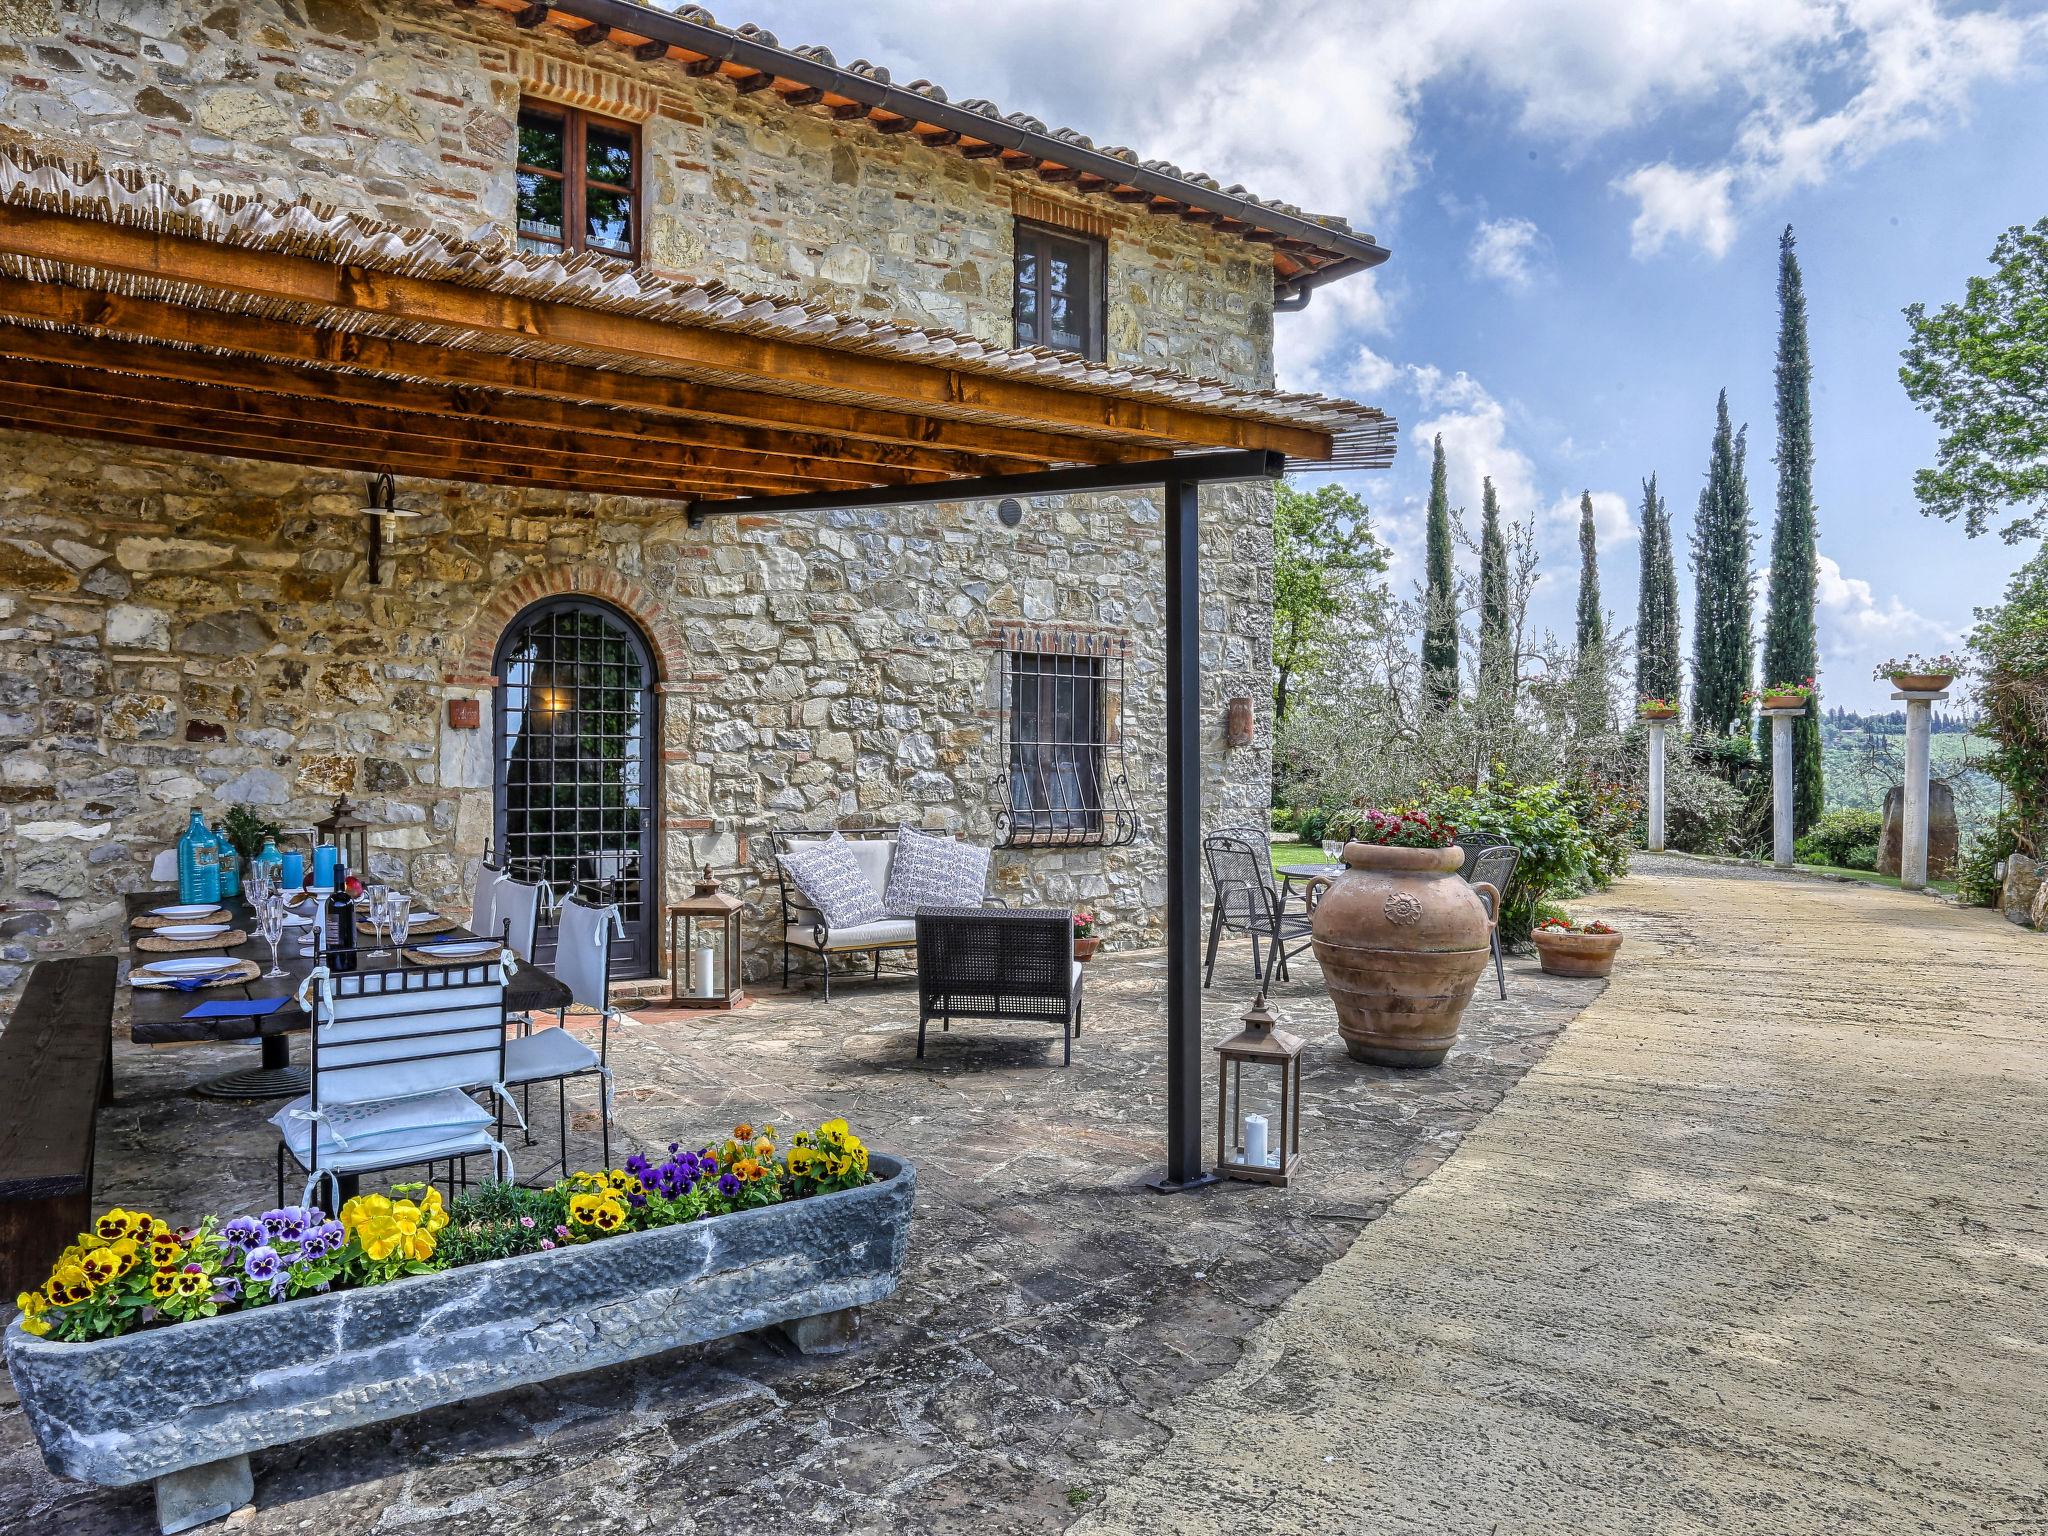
[(341, 949)]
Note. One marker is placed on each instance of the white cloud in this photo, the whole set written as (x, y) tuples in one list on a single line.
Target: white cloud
[(1317, 349), (1689, 205), (1614, 521), (1855, 625), (1508, 251)]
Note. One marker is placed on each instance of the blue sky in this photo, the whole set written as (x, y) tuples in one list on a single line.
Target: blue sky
[(1583, 198)]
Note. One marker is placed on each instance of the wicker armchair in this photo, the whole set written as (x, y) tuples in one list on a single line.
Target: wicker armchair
[(988, 963)]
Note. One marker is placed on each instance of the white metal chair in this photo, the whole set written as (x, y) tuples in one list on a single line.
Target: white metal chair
[(483, 906), (515, 912), (583, 956), (394, 1058)]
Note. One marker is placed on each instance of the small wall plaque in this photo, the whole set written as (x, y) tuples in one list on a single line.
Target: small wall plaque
[(464, 714)]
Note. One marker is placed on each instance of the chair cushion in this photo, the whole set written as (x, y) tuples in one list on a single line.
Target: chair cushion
[(888, 930), (933, 871), (381, 1127), (836, 882), (547, 1053)]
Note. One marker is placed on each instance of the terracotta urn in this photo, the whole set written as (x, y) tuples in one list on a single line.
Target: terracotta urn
[(1575, 954), (1922, 682), (1649, 712), (1402, 939), (1783, 701), (1084, 949)]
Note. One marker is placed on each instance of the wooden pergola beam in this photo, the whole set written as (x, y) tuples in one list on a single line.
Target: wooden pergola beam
[(289, 341), (357, 293)]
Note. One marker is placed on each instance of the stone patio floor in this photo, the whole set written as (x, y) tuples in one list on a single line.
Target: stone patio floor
[(1051, 1309)]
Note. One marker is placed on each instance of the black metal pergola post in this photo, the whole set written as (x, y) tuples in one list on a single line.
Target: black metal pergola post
[(1181, 480)]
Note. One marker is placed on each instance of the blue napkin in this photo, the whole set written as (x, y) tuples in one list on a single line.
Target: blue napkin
[(234, 1007)]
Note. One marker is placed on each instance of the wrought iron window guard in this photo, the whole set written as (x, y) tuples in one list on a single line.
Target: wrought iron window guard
[(1063, 778)]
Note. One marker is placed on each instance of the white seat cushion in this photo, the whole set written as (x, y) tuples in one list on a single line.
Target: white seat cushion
[(890, 930), (373, 1132), (1077, 975), (547, 1053)]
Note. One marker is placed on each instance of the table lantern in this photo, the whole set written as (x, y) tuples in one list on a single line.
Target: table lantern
[(1251, 1145), (704, 948), (349, 833)]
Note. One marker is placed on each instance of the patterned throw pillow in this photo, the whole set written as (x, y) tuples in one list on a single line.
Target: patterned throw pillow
[(934, 872), (833, 882)]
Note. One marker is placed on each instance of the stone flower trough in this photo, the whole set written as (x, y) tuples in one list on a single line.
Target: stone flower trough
[(184, 1406)]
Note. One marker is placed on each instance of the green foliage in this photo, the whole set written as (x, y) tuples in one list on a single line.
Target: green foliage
[(1496, 624), (1539, 820), (1843, 839), (1723, 650), (1440, 610), (1977, 878), (1657, 656), (1325, 556), (2012, 641), (1790, 649), (248, 831), (1610, 812), (1980, 368), (1589, 657), (484, 1223)]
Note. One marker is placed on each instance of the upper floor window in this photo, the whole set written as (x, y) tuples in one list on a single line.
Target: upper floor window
[(579, 182), (1059, 290)]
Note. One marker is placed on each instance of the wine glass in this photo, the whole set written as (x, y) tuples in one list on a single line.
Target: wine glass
[(270, 923), (397, 917), (1333, 850), (380, 912)]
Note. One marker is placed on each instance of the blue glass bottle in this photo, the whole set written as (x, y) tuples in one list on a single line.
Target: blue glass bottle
[(272, 857), (230, 865), (198, 862)]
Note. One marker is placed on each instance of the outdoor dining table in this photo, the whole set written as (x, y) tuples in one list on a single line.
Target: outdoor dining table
[(1307, 872), (157, 1015)]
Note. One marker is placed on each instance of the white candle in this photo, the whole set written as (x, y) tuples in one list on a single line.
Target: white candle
[(707, 968), (1255, 1140)]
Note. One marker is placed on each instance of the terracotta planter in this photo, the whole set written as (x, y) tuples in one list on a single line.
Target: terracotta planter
[(1402, 940), (1783, 701), (1576, 954), (1922, 682), (1658, 714), (1084, 949)]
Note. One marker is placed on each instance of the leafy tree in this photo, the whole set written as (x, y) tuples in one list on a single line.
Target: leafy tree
[(1656, 603), (1496, 634), (1440, 613), (1325, 559), (1980, 368), (2011, 642), (1590, 655), (1722, 647), (1791, 653)]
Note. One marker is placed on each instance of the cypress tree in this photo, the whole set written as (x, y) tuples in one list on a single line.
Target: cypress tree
[(1656, 603), (1722, 648), (1590, 682), (1791, 652), (1496, 663), (1440, 607)]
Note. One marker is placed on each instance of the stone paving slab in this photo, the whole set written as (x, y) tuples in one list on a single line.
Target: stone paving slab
[(1758, 1247), (1052, 1311)]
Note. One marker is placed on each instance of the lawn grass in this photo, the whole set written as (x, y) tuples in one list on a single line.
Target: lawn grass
[(1870, 877), (1297, 853)]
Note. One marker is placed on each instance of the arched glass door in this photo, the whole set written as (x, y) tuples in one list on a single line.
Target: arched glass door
[(577, 793)]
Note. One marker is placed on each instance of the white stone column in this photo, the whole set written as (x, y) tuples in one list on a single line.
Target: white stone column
[(1783, 790), (1919, 756), (1656, 786)]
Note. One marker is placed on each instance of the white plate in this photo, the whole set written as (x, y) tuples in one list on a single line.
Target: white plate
[(191, 930), (188, 965), (194, 909), (423, 917), (456, 949)]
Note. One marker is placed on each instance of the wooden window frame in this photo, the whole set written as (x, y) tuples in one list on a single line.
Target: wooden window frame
[(575, 177), (1096, 288)]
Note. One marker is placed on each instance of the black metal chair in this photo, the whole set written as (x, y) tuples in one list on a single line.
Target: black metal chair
[(1247, 899), (1489, 872), (989, 963)]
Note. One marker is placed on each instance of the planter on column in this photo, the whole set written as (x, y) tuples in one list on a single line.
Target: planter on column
[(1783, 791), (1656, 714), (1920, 704)]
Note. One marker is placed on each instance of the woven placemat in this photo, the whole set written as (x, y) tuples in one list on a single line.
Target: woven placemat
[(160, 946), (422, 957), (217, 915), (245, 970), (418, 930)]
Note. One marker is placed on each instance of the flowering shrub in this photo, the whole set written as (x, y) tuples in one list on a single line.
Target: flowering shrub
[(1542, 823), (1566, 925), (1650, 704), (1913, 664), (134, 1271), (1402, 827), (1084, 925)]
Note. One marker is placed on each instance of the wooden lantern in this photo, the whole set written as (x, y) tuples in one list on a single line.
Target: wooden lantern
[(1275, 1058), (347, 830), (706, 973)]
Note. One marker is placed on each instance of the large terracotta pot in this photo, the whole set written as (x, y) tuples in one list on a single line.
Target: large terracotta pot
[(1784, 701), (1922, 682), (1402, 939), (1575, 954)]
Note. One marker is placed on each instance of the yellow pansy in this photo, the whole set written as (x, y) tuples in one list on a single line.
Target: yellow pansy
[(165, 1250), (190, 1284), (125, 1251), (800, 1160), (32, 1307), (763, 1147), (163, 1285), (99, 1267), (118, 1223)]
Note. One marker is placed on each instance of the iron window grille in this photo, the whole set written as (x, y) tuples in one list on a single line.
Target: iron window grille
[(578, 182), (1065, 782), (1060, 290)]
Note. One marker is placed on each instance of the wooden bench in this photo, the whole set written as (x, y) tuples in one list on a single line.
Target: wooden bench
[(57, 1068)]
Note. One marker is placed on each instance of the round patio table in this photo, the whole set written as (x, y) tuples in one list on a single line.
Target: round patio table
[(1289, 873)]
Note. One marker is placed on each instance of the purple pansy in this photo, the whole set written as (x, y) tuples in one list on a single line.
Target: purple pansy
[(287, 1223), (262, 1264), (728, 1185), (242, 1234)]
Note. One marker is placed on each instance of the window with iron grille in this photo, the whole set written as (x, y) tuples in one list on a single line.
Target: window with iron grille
[(579, 182), (1064, 782), (1059, 296)]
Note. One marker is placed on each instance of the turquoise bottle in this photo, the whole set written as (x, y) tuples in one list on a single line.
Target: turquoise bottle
[(198, 862), (230, 865), (271, 857)]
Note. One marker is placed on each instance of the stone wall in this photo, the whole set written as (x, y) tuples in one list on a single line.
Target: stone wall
[(405, 112), (177, 629)]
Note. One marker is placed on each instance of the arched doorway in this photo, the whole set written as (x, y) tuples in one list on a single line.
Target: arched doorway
[(578, 797)]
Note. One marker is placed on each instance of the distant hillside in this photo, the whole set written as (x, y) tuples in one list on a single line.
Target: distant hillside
[(1863, 755)]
